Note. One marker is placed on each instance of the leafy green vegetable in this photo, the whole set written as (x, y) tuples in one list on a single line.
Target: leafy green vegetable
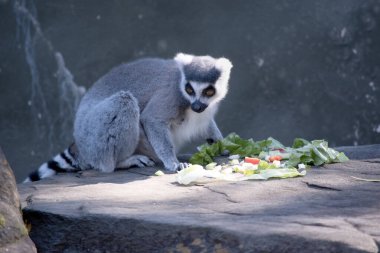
[(273, 144), (302, 152), (277, 173), (341, 157), (299, 143), (201, 157), (263, 165), (235, 146), (196, 173), (315, 152)]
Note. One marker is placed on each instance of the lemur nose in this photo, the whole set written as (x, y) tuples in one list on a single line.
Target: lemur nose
[(198, 106), (195, 107)]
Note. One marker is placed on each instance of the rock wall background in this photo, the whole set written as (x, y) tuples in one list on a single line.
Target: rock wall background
[(306, 69)]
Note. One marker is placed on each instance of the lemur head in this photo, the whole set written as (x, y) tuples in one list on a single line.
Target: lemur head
[(205, 79)]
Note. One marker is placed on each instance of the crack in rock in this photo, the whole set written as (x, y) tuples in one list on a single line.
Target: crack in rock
[(226, 212), (29, 199), (315, 224), (235, 214), (370, 173), (321, 187), (225, 195), (372, 161)]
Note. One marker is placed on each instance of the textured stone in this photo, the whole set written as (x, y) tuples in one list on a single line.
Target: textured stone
[(133, 211), (361, 152), (13, 233)]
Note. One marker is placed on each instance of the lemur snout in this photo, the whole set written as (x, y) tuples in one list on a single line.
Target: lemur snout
[(198, 106)]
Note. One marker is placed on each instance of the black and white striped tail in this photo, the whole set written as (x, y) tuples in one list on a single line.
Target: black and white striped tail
[(63, 162)]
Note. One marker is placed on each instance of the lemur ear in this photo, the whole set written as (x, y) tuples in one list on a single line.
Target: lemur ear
[(223, 64), (184, 59)]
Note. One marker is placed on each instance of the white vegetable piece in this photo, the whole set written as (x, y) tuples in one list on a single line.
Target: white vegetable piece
[(159, 173), (218, 168), (227, 170), (232, 157), (301, 166), (234, 162), (190, 174), (211, 166), (250, 166), (277, 164)]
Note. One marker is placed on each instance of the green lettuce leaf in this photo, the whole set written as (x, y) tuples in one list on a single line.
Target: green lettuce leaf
[(277, 173), (299, 143), (196, 173), (315, 152), (274, 144), (340, 158)]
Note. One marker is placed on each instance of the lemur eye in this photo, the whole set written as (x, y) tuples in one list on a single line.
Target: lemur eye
[(209, 91), (189, 89)]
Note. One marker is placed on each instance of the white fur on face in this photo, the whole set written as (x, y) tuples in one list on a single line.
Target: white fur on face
[(221, 89), (198, 88), (221, 85), (183, 59), (196, 124)]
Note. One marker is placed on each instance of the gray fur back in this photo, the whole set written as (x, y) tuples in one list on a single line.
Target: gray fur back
[(142, 78), (107, 117)]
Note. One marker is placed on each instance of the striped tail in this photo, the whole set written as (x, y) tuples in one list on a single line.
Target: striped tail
[(63, 162)]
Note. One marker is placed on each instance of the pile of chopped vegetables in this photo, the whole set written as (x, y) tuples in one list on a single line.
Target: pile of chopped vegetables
[(258, 160)]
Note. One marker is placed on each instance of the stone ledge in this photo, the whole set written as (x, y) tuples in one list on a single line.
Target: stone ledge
[(13, 233), (361, 152), (134, 211)]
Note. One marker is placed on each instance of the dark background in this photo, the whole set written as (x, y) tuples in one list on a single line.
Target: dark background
[(301, 68)]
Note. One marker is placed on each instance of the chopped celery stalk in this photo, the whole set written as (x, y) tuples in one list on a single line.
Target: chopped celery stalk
[(159, 173), (211, 166)]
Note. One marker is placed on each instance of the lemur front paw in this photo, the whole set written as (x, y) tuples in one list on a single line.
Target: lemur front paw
[(176, 166), (183, 166), (225, 152), (210, 141)]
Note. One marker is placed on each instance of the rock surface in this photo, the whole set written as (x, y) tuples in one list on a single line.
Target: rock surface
[(133, 211), (321, 56), (13, 233), (361, 152)]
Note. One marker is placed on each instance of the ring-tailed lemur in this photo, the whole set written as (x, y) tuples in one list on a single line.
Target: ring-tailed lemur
[(143, 112)]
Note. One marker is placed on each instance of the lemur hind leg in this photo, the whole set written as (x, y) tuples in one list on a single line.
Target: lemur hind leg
[(109, 132)]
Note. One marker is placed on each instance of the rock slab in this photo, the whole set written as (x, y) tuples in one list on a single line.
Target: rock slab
[(328, 210), (13, 233)]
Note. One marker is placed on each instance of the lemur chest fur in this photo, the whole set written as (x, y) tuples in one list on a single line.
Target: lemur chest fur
[(191, 126)]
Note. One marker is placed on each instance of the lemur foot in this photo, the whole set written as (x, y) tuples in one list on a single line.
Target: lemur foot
[(136, 160)]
